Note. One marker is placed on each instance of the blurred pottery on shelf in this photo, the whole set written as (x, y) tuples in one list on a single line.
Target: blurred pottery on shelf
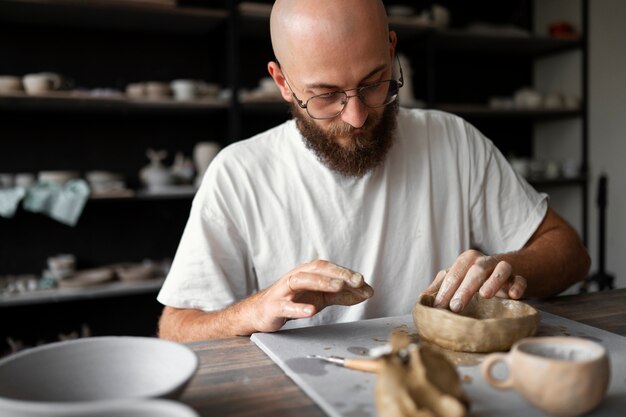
[(87, 278), (102, 182), (203, 154), (155, 175), (7, 180), (10, 84), (570, 168), (42, 82), (184, 90), (58, 177), (24, 179), (527, 98), (157, 90), (136, 90), (136, 271), (62, 266)]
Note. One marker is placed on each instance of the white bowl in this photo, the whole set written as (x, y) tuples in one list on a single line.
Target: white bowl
[(95, 369), (113, 408)]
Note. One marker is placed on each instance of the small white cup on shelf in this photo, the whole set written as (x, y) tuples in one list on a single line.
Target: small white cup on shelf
[(42, 82), (184, 90)]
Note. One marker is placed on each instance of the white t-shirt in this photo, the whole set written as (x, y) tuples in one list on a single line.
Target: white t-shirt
[(267, 204)]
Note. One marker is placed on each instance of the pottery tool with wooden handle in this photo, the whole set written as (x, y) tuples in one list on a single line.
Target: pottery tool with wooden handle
[(359, 364)]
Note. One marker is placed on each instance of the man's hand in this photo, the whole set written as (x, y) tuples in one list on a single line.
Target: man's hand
[(305, 291), (474, 272)]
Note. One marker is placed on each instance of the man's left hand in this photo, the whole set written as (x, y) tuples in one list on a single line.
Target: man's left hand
[(474, 272)]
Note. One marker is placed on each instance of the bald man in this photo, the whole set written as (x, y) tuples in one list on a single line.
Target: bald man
[(380, 197)]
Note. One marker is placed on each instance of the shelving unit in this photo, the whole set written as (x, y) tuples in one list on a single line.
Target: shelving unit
[(102, 44), (61, 295), (112, 43)]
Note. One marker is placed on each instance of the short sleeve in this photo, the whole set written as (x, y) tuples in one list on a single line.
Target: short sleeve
[(209, 271), (505, 209)]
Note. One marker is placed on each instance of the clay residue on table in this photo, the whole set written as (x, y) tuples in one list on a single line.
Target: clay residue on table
[(359, 350), (457, 358)]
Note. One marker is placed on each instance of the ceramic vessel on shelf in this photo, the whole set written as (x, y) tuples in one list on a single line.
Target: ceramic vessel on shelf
[(10, 84), (42, 82), (203, 154), (484, 325), (155, 175), (563, 376)]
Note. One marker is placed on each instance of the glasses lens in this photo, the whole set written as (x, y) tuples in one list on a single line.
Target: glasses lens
[(326, 106), (379, 94)]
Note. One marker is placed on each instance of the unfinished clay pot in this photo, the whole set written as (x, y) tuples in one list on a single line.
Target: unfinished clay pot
[(484, 325), (418, 382), (563, 376)]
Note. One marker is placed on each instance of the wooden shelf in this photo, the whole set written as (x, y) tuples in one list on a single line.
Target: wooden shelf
[(63, 102), (483, 111), (56, 295), (257, 24), (532, 46), (183, 194), (557, 182), (113, 14)]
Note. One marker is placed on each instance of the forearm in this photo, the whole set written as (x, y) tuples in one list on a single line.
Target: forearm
[(552, 260), (188, 325)]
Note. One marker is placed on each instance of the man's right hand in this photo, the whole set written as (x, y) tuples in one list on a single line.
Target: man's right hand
[(305, 291)]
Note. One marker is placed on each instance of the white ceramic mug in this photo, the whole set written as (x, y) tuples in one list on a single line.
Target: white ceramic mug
[(563, 376), (42, 82), (184, 90), (203, 154)]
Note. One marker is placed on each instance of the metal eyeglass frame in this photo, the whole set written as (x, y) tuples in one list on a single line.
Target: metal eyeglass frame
[(304, 105)]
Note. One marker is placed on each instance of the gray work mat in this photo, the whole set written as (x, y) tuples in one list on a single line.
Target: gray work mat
[(349, 393)]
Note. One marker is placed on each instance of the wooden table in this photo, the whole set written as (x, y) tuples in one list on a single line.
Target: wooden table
[(237, 379)]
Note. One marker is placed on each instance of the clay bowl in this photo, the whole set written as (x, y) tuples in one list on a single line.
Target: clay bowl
[(90, 371), (485, 325)]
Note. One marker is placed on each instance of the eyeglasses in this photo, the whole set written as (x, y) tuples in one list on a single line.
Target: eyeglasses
[(330, 105)]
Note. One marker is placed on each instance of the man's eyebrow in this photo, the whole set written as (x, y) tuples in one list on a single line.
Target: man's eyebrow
[(336, 87)]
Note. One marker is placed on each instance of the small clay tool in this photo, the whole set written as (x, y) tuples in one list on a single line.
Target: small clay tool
[(365, 365)]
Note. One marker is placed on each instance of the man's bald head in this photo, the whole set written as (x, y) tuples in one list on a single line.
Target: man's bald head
[(317, 31)]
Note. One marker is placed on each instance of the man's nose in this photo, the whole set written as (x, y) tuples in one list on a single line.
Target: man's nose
[(355, 113)]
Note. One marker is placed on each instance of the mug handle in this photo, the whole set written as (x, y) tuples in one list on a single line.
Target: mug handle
[(488, 364)]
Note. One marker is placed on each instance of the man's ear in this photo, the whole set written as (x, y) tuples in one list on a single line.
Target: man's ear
[(393, 40), (274, 69)]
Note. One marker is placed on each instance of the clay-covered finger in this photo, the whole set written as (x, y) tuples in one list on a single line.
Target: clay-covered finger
[(436, 284), (474, 279), (346, 298), (450, 283), (353, 279), (499, 277), (307, 281), (518, 287)]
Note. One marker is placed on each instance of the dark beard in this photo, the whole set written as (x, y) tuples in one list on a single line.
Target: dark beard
[(365, 151)]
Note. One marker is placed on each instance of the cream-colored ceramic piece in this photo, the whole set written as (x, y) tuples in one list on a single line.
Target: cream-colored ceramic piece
[(563, 376), (416, 381), (484, 325), (136, 272), (87, 278)]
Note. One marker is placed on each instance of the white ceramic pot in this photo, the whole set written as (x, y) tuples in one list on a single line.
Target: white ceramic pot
[(203, 154)]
